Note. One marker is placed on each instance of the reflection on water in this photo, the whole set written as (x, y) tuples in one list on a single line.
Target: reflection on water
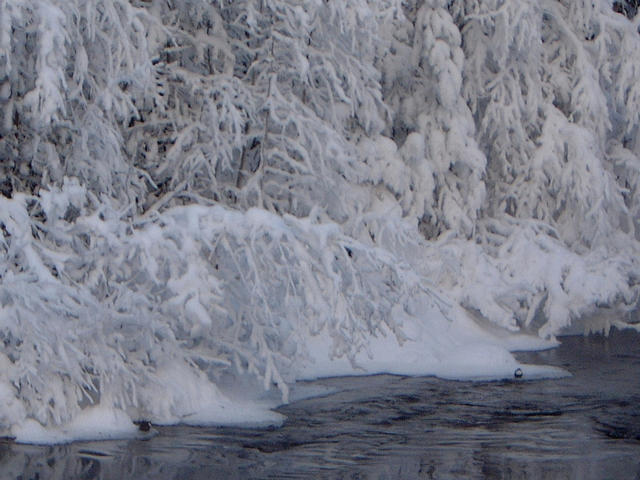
[(386, 427)]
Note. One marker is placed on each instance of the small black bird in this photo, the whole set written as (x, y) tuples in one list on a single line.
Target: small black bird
[(144, 426)]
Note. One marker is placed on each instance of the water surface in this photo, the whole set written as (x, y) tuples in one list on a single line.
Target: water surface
[(387, 427)]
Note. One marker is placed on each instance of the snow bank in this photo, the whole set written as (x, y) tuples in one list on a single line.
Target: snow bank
[(204, 296), (93, 423), (435, 345)]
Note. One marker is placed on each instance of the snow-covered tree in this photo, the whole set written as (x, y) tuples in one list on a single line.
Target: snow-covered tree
[(193, 189)]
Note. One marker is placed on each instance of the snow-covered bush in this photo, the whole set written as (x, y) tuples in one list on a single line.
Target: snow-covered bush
[(93, 310)]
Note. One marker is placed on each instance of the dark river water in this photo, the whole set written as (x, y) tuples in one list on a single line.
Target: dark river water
[(387, 427)]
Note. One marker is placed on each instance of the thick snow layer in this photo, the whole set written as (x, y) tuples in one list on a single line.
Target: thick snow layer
[(309, 301), (347, 187), (93, 423), (458, 350)]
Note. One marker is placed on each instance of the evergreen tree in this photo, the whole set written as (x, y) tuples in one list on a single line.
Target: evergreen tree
[(204, 184)]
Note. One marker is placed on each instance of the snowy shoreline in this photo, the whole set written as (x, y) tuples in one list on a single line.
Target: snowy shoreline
[(200, 192)]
